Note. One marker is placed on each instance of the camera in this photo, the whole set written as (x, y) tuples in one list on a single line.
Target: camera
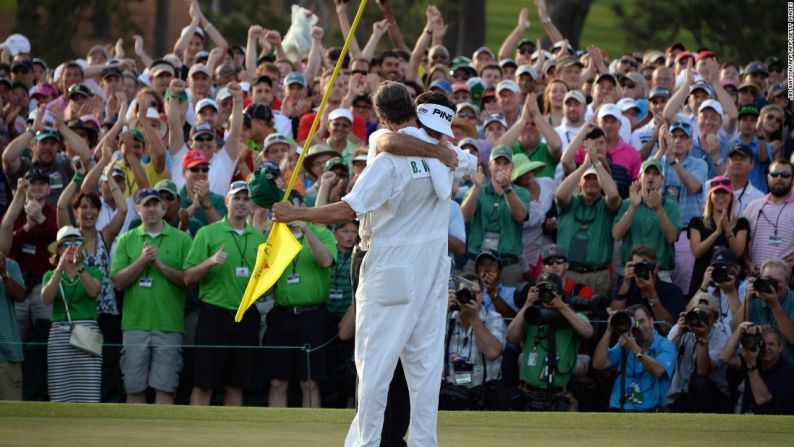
[(720, 274), (546, 291), (622, 322), (537, 315), (765, 284), (643, 269), (752, 342), (464, 295), (595, 305), (463, 290), (696, 317)]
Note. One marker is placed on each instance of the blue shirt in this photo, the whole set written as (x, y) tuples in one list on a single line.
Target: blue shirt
[(507, 294), (456, 227), (643, 390), (760, 313), (697, 151), (11, 349), (690, 204), (757, 175)]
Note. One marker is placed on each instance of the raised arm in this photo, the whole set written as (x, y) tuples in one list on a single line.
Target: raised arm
[(65, 200), (153, 140), (254, 32), (315, 60), (184, 39), (344, 27), (12, 155), (552, 138), (72, 141), (11, 215), (112, 229), (395, 35), (679, 97), (509, 44), (378, 30), (140, 52), (568, 159), (554, 34), (422, 43), (236, 122), (406, 145), (209, 28), (176, 119), (622, 227), (731, 114)]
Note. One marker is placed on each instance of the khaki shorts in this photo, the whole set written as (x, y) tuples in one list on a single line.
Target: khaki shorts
[(10, 381)]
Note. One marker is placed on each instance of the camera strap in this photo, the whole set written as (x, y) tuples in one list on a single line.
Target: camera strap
[(451, 321), (551, 355), (624, 355)]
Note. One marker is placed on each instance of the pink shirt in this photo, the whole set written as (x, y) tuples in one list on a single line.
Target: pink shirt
[(771, 229), (622, 154)]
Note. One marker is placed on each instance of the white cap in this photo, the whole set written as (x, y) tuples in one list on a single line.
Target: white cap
[(341, 113), (16, 43), (610, 110), (507, 84), (206, 102), (274, 138), (590, 170), (361, 157), (711, 104), (236, 187), (627, 104), (199, 68), (222, 94), (494, 118), (436, 117), (245, 86), (68, 231)]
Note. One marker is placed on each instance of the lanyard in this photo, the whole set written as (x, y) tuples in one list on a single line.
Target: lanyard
[(241, 250), (777, 220), (149, 265)]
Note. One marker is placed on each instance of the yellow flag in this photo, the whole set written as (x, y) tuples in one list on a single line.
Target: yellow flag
[(272, 258)]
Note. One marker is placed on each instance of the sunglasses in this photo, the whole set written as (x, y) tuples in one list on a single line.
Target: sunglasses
[(723, 182), (775, 70), (557, 261), (467, 115), (680, 124), (780, 174), (169, 197), (526, 50), (459, 76), (201, 139), (628, 62), (77, 243), (628, 85), (683, 61), (203, 169), (361, 72)]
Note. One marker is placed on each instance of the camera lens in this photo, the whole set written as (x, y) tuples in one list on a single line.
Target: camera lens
[(621, 321)]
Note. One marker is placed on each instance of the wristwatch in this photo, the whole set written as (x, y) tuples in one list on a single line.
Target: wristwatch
[(80, 270), (750, 368), (652, 302), (673, 162), (639, 356), (509, 190)]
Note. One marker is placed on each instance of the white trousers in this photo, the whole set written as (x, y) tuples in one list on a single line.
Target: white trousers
[(400, 313)]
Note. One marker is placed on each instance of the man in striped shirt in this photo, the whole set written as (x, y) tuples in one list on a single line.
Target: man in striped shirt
[(772, 218)]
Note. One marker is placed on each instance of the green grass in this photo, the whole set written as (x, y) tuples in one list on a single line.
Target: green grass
[(601, 26), (64, 425)]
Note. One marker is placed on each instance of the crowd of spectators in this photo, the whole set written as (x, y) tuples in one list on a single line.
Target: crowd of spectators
[(625, 244)]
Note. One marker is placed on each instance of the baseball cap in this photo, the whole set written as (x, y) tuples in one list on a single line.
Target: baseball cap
[(748, 110), (199, 68), (48, 132), (502, 151), (487, 254), (161, 66), (201, 128), (749, 85), (295, 77), (756, 67), (553, 251), (466, 105), (720, 183), (608, 76), (508, 63), (258, 111), (182, 95), (651, 162), (560, 44), (436, 117), (442, 84), (236, 187), (483, 50), (45, 89), (262, 187), (550, 278), (202, 55), (168, 186), (469, 142), (20, 85), (494, 118), (24, 64), (576, 95), (275, 138), (705, 54), (741, 148), (334, 162), (317, 150), (507, 84), (460, 86), (778, 89), (724, 256), (711, 104), (658, 92), (682, 126), (80, 89), (652, 56), (37, 173), (626, 104), (635, 78), (341, 113), (527, 70), (705, 300), (137, 134), (16, 43), (702, 85), (206, 102), (526, 41), (147, 194), (195, 157), (774, 62), (112, 70), (568, 61), (682, 55), (610, 110)]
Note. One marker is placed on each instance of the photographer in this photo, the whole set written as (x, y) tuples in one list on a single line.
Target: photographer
[(475, 340), (551, 332), (757, 350), (496, 296), (721, 278), (641, 284), (699, 384), (644, 360), (771, 302)]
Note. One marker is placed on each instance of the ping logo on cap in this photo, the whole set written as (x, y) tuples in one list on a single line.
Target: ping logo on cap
[(443, 114)]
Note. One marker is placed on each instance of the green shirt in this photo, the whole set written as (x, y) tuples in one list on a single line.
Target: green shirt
[(10, 352), (539, 153), (217, 202), (341, 292), (193, 225), (224, 285), (645, 230), (81, 306), (586, 231), (161, 306), (493, 216), (312, 280), (533, 362)]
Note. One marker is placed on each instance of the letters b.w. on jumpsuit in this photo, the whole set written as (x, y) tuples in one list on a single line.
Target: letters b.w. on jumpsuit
[(401, 299)]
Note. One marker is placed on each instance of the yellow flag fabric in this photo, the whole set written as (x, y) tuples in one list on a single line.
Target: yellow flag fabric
[(272, 258)]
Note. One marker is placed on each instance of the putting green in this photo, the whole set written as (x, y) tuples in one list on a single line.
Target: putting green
[(63, 425)]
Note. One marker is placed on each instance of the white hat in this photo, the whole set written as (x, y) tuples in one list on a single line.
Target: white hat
[(627, 104), (274, 138), (16, 43), (361, 157), (507, 84), (236, 187), (494, 118), (222, 94), (591, 170), (199, 68), (436, 117), (711, 104), (245, 86), (206, 102), (610, 110), (527, 69), (66, 232), (341, 113), (152, 113)]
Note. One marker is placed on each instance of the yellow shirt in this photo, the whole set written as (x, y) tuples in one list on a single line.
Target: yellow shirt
[(152, 175)]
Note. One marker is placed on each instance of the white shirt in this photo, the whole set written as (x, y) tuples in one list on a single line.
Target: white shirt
[(742, 196), (625, 124), (567, 133), (221, 170)]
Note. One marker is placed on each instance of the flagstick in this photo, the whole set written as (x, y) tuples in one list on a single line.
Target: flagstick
[(327, 93)]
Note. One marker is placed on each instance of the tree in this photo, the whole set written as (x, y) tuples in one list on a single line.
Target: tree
[(733, 29)]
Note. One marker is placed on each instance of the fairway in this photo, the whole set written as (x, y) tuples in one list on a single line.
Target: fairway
[(64, 425)]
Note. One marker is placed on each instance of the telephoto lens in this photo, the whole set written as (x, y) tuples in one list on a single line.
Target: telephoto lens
[(765, 284), (752, 342), (719, 274), (621, 321)]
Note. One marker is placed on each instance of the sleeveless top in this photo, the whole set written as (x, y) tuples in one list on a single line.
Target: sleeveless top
[(106, 300)]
